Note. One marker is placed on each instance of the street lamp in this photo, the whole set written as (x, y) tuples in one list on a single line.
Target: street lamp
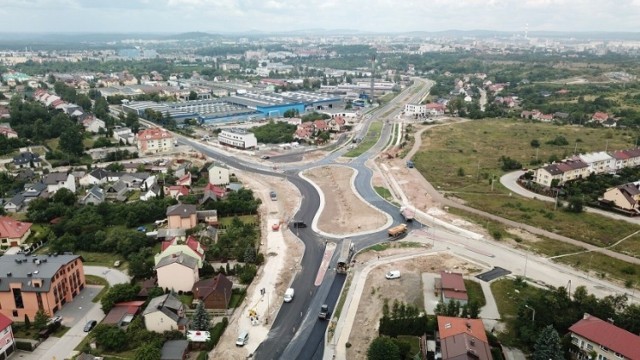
[(533, 316)]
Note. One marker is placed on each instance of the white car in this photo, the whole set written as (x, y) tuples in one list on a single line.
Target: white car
[(393, 274)]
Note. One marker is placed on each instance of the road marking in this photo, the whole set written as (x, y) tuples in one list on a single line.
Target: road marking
[(324, 265)]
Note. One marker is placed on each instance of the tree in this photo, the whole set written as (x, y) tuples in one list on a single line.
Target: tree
[(535, 143), (64, 196), (27, 322), (193, 95), (548, 346), (575, 205), (40, 320), (118, 293), (148, 351), (383, 348), (200, 320), (71, 141), (110, 337)]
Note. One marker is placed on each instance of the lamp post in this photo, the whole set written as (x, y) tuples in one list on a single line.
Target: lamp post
[(533, 316), (526, 260)]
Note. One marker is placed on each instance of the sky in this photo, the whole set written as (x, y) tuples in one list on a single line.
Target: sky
[(224, 16)]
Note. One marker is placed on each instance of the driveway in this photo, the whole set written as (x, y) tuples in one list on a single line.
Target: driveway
[(75, 315)]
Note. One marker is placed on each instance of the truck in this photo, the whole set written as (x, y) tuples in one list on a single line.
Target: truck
[(345, 256), (398, 230), (325, 313), (407, 213)]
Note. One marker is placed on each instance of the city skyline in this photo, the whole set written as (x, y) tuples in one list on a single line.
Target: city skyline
[(235, 16)]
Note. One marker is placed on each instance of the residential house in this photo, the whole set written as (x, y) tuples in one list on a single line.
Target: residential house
[(209, 217), (165, 313), (603, 339), (435, 109), (626, 158), (598, 162), (124, 135), (150, 192), (155, 140), (212, 193), (561, 115), (94, 196), (27, 159), (15, 204), (303, 133), (191, 247), (174, 350), (182, 216), (93, 124), (8, 132), (177, 272), (97, 176), (34, 191), (25, 175), (462, 339), (13, 232), (134, 180), (320, 125), (218, 174), (176, 191), (564, 171), (58, 180), (600, 117), (235, 187), (625, 197), (215, 293), (184, 180), (123, 313), (337, 124), (451, 287), (117, 191), (28, 284), (182, 170), (415, 109), (7, 341)]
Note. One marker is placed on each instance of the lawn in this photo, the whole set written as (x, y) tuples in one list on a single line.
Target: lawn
[(99, 259), (236, 299), (247, 219), (604, 266), (414, 341), (383, 192), (372, 137), (97, 280), (38, 232), (462, 159), (475, 293), (508, 295), (53, 143), (187, 300)]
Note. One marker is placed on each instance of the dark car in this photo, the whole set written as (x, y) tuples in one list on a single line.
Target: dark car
[(299, 224), (324, 313), (90, 325)]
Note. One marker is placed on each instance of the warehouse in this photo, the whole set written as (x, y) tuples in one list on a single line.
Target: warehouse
[(312, 101), (204, 111), (271, 105)]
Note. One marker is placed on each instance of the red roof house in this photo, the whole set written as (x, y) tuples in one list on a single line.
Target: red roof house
[(600, 116), (185, 180), (463, 339), (13, 232), (593, 334), (452, 287)]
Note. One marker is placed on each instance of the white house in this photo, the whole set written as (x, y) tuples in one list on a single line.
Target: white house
[(55, 181), (124, 134), (415, 109), (218, 174), (165, 313), (239, 138), (599, 162), (95, 177), (177, 272)]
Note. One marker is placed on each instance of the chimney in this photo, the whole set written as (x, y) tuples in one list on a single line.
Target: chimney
[(29, 274), (585, 316), (9, 274)]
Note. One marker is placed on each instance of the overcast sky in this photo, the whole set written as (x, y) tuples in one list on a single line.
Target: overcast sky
[(219, 16)]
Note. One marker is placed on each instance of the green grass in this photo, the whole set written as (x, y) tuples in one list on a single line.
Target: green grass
[(604, 267), (38, 232), (507, 300), (378, 247), (383, 192), (187, 300), (414, 341), (387, 97), (99, 259), (61, 331), (236, 299), (631, 246), (53, 143), (373, 134), (475, 293), (97, 280), (343, 298), (247, 219), (550, 247)]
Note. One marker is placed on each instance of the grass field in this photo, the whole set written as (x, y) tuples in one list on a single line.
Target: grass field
[(462, 159), (508, 295), (383, 192), (99, 259), (475, 293), (97, 280), (247, 219), (373, 134), (605, 267)]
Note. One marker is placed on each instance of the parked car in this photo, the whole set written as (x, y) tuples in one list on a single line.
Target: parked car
[(288, 295), (393, 274), (242, 339), (90, 325), (55, 319), (299, 224), (325, 313), (265, 157)]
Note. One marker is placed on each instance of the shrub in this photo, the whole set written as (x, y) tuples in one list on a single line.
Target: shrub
[(24, 345)]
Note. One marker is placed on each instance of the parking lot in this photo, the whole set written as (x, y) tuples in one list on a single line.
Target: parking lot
[(493, 274)]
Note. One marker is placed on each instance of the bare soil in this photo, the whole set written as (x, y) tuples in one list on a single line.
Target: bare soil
[(408, 289), (343, 213)]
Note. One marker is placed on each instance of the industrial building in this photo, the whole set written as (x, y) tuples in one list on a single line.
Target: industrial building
[(239, 138), (269, 105)]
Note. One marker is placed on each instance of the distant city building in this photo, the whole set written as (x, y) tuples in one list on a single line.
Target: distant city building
[(238, 138)]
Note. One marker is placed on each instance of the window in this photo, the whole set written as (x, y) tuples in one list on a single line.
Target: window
[(15, 313)]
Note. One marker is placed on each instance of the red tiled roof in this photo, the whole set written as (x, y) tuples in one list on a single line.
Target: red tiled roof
[(195, 245), (451, 326), (13, 229), (154, 134), (218, 191), (600, 116), (4, 322), (606, 334)]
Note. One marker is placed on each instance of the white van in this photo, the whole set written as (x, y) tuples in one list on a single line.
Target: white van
[(288, 295), (243, 338)]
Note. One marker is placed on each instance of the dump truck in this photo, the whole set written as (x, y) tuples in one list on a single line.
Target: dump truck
[(398, 230), (345, 256), (407, 213)]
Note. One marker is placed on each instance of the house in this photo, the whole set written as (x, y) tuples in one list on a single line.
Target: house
[(13, 232), (235, 187), (176, 191), (320, 125), (25, 175), (462, 339), (562, 172), (303, 133), (124, 135), (239, 138), (218, 174), (7, 341), (15, 204), (155, 140), (93, 124), (625, 197), (592, 335), (8, 132), (165, 313), (415, 109), (117, 191), (435, 109), (95, 177), (151, 192), (215, 293), (184, 180), (212, 192), (600, 117), (123, 313), (57, 180), (174, 350), (337, 124), (30, 283), (626, 158), (209, 217), (134, 180), (177, 272), (27, 159), (451, 287), (94, 196), (182, 216), (191, 247), (598, 162)]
